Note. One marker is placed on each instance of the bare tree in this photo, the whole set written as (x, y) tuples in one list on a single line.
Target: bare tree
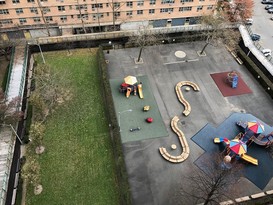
[(80, 7), (42, 10), (219, 31), (144, 37), (115, 6), (211, 183), (49, 91)]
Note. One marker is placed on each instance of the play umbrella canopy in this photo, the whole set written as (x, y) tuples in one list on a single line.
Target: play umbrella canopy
[(238, 146), (131, 80), (255, 126)]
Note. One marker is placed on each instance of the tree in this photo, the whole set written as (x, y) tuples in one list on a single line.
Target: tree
[(49, 91), (115, 6), (237, 10), (211, 183), (42, 10), (144, 37), (9, 112), (80, 7), (219, 31)]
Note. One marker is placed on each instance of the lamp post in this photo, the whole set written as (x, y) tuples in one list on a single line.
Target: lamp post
[(119, 113), (13, 131), (41, 52)]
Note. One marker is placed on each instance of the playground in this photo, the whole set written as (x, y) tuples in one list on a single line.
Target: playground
[(157, 162)]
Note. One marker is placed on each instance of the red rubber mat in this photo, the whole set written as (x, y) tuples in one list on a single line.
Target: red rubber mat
[(225, 88)]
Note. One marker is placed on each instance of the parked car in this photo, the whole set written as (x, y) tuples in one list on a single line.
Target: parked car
[(266, 52), (249, 21), (267, 2), (270, 11), (269, 6), (255, 37)]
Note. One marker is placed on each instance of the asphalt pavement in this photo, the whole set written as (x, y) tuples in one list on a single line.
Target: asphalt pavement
[(153, 180)]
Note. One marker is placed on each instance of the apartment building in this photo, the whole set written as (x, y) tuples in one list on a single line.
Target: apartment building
[(32, 18)]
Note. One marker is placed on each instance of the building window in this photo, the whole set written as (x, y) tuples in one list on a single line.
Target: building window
[(30, 1), (70, 7), (2, 2), (184, 1), (151, 11), (140, 3), (129, 3), (4, 11), (15, 1), (201, 0), (167, 1), (97, 16), (46, 10), (22, 20), (139, 12), (116, 4), (166, 10), (107, 4), (188, 8), (97, 6), (210, 7), (129, 13), (36, 19), (61, 8), (199, 8), (33, 10), (48, 18), (80, 7), (83, 16), (6, 21), (117, 14), (43, 0), (63, 18), (19, 11)]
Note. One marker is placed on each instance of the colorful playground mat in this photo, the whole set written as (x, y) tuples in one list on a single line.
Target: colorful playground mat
[(226, 89), (137, 117), (259, 175)]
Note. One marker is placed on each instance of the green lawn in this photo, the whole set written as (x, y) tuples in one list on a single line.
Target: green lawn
[(78, 165)]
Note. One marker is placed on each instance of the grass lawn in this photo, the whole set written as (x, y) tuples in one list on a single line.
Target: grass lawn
[(78, 166)]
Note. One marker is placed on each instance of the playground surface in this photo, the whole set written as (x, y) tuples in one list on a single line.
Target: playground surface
[(154, 180), (136, 117)]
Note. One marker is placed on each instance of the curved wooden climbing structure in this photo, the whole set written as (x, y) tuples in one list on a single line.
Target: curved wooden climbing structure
[(186, 150), (187, 106)]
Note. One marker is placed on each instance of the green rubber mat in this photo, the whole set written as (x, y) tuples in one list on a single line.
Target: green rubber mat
[(137, 117)]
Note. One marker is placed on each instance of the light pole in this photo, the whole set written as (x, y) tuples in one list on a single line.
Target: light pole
[(13, 131), (40, 49), (119, 113), (41, 52)]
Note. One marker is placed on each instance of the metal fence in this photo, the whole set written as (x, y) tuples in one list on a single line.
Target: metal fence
[(258, 46), (6, 171)]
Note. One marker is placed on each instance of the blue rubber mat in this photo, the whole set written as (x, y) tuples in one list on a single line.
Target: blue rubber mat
[(260, 175)]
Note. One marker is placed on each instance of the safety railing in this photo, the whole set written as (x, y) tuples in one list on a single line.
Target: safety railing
[(10, 68), (6, 170), (258, 45)]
